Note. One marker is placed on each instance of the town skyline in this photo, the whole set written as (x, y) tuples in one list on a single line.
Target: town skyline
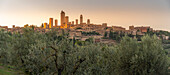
[(157, 16)]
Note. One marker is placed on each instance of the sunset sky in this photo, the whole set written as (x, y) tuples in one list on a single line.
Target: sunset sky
[(154, 13)]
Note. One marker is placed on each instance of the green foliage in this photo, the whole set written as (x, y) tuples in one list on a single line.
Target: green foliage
[(105, 34), (144, 58), (166, 41), (90, 40), (50, 54), (116, 36), (74, 41), (163, 33), (130, 35), (139, 37), (111, 35), (151, 33)]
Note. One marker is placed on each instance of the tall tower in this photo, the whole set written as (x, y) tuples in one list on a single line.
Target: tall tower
[(13, 26), (45, 25), (88, 21), (76, 21), (72, 23), (81, 19), (62, 18), (51, 23), (56, 22), (66, 21)]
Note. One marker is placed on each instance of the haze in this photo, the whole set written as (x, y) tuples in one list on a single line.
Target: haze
[(154, 13)]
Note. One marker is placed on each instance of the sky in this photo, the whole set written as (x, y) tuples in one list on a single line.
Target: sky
[(154, 13)]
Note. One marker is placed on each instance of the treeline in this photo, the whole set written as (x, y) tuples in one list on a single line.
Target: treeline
[(52, 54), (114, 35), (119, 35)]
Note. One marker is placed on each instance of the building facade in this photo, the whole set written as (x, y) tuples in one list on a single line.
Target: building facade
[(51, 23)]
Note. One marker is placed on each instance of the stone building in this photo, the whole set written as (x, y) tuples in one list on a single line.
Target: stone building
[(51, 23)]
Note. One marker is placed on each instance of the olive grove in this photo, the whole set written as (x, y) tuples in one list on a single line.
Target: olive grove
[(53, 54)]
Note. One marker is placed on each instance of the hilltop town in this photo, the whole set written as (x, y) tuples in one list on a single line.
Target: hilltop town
[(81, 30)]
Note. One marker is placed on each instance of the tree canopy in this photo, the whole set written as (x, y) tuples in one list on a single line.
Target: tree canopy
[(51, 54)]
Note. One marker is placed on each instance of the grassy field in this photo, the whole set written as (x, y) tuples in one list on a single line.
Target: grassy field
[(9, 71)]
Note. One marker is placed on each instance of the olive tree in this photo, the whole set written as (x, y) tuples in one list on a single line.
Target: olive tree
[(140, 58)]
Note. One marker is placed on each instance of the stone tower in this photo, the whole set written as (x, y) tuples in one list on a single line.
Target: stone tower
[(76, 21), (62, 18), (51, 23), (81, 19), (56, 22), (13, 26), (88, 21), (72, 22), (45, 25), (66, 21)]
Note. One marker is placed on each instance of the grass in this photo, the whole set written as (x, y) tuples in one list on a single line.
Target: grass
[(9, 71), (6, 72)]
